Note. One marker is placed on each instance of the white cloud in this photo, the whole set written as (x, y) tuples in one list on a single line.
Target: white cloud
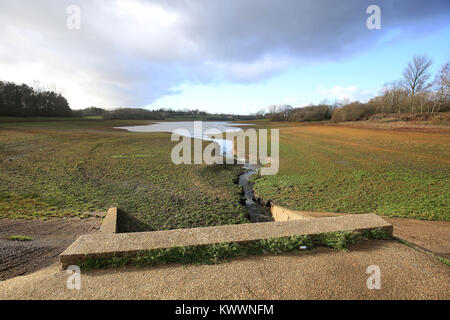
[(351, 93), (145, 13)]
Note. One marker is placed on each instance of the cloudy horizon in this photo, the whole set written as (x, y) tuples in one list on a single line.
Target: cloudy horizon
[(233, 57)]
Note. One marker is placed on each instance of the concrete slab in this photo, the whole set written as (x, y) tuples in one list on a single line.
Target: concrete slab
[(106, 245)]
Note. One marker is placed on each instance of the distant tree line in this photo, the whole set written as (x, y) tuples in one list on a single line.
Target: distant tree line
[(25, 101), (415, 93), (322, 111), (197, 114), (132, 114), (163, 113), (89, 112)]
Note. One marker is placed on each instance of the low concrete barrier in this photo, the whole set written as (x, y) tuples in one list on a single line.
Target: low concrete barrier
[(109, 245), (110, 222)]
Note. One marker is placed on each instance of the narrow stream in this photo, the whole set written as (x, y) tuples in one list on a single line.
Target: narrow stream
[(256, 212)]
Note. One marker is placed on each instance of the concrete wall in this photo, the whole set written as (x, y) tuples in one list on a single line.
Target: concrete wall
[(109, 224), (283, 214), (106, 245)]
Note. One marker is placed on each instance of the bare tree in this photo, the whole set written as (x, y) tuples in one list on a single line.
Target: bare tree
[(272, 109), (393, 95), (285, 111), (441, 88), (416, 74), (260, 114), (335, 105)]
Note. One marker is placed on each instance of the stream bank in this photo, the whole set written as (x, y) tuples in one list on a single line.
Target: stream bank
[(256, 212)]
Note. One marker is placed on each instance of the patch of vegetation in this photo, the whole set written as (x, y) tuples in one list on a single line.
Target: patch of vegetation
[(350, 170), (20, 238), (71, 168), (444, 261), (212, 254)]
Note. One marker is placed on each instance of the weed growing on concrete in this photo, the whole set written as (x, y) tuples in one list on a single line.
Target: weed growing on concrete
[(20, 238)]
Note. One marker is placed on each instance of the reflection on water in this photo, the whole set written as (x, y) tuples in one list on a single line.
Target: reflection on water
[(226, 146)]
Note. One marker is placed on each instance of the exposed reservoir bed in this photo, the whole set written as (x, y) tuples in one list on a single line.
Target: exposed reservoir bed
[(255, 211)]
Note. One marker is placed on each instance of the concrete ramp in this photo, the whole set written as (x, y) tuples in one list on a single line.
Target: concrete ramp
[(109, 245)]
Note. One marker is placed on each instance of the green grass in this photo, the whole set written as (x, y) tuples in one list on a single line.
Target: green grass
[(350, 170), (212, 254), (74, 168), (444, 261), (20, 238)]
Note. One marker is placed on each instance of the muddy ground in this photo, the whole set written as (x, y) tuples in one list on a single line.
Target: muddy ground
[(49, 239), (404, 126)]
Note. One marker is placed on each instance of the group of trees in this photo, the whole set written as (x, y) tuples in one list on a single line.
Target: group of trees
[(198, 114), (37, 101), (23, 100), (163, 113), (89, 112), (319, 112), (415, 93)]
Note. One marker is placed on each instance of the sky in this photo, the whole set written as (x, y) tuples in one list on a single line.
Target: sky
[(234, 56)]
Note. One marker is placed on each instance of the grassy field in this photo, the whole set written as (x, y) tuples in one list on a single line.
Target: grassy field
[(80, 167), (355, 170), (72, 168)]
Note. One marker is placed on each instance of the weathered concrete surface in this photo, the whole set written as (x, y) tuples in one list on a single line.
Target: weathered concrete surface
[(109, 223), (318, 274), (280, 213), (433, 236), (106, 245)]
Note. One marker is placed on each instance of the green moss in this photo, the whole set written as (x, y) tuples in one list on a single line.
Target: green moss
[(20, 238), (443, 260)]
